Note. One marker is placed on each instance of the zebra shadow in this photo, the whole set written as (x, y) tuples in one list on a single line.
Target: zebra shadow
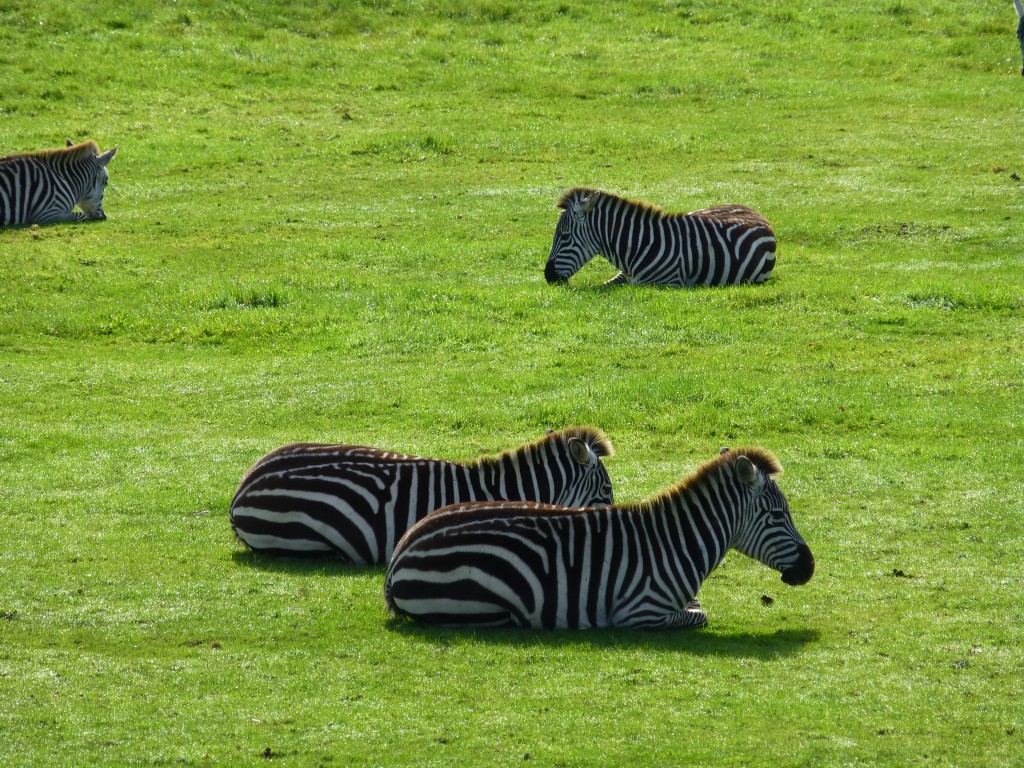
[(780, 643), (318, 566)]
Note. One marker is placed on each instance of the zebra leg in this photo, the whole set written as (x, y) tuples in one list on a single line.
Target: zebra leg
[(60, 217), (692, 618), (1020, 28), (619, 279), (1020, 39)]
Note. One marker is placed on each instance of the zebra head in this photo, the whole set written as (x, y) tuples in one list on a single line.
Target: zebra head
[(574, 243), (94, 183), (766, 531), (587, 481)]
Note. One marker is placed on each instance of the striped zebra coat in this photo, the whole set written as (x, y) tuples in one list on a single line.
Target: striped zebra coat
[(638, 565), (44, 187), (354, 502), (726, 245)]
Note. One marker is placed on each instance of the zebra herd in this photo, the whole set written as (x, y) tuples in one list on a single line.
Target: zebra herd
[(725, 245), (530, 537)]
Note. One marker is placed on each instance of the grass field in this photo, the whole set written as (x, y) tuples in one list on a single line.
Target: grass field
[(329, 221)]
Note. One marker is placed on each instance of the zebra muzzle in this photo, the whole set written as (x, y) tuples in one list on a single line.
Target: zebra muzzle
[(801, 571), (551, 274)]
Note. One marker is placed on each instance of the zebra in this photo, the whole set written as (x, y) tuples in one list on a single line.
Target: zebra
[(725, 245), (635, 565), (44, 187), (354, 502), (1020, 29)]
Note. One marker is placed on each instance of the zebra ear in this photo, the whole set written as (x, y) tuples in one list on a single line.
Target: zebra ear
[(107, 156), (582, 206), (70, 143), (580, 451), (749, 474)]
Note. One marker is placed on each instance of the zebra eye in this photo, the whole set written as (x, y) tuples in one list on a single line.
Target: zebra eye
[(777, 513)]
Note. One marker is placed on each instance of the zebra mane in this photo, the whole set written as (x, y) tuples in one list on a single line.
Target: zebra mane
[(595, 438), (575, 193), (566, 198), (88, 148), (759, 457)]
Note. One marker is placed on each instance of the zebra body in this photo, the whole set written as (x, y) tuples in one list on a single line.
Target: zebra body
[(639, 565), (355, 502), (726, 245), (44, 187)]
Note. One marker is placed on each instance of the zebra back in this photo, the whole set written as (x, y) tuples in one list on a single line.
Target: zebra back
[(355, 502), (295, 456), (637, 565), (44, 187), (724, 245)]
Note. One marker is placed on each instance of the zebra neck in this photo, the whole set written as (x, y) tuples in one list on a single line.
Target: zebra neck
[(623, 226), (72, 170), (518, 477), (695, 524)]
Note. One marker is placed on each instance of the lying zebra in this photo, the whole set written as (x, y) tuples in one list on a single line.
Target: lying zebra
[(726, 245), (44, 187), (354, 503), (635, 565)]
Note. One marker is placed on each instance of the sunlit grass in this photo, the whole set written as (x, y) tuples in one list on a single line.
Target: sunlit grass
[(329, 222)]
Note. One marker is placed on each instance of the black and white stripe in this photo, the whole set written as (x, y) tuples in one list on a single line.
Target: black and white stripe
[(727, 245), (355, 502), (639, 565), (44, 187)]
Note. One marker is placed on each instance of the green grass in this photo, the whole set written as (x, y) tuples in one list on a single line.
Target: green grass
[(328, 221)]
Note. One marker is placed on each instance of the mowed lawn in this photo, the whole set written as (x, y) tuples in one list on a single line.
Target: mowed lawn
[(329, 221)]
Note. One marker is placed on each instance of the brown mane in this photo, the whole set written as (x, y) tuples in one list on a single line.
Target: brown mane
[(87, 148), (654, 210), (569, 194), (595, 438), (760, 457)]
